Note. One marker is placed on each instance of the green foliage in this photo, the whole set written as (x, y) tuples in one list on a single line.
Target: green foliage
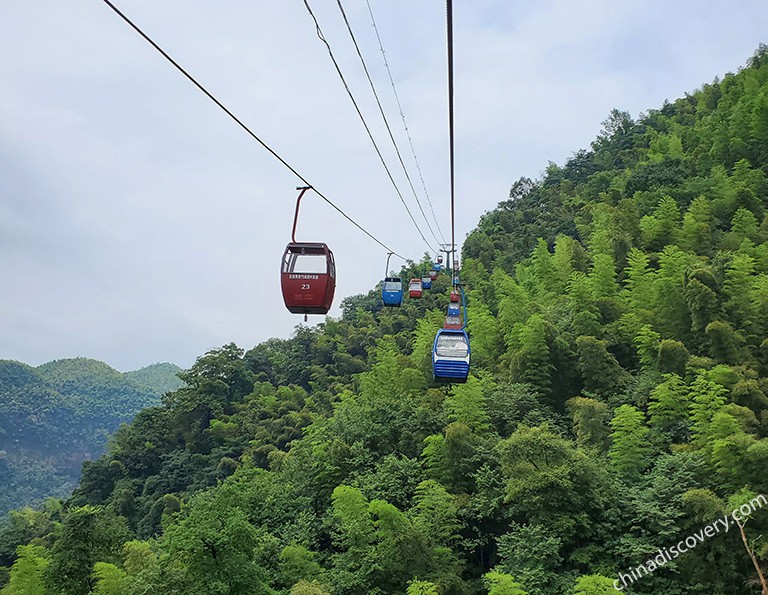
[(647, 343), (668, 407), (110, 580), (590, 422), (661, 227), (422, 588), (618, 319), (706, 399), (436, 511), (54, 417), (594, 584), (532, 555), (466, 403), (532, 362), (351, 519), (499, 583), (28, 571), (638, 280), (159, 378), (601, 371), (138, 557), (673, 357), (309, 588), (701, 296), (629, 447), (88, 535), (698, 225)]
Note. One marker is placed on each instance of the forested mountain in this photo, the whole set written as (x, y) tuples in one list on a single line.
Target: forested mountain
[(158, 378), (55, 416), (618, 310)]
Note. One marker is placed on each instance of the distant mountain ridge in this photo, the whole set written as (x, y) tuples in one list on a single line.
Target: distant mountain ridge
[(160, 378), (57, 415)]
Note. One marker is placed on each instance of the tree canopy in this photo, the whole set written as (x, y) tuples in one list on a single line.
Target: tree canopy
[(618, 402)]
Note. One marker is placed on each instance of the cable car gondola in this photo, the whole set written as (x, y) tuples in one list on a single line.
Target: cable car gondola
[(450, 355), (414, 288), (433, 274), (391, 287), (454, 309), (308, 278), (453, 323), (426, 282), (392, 291), (308, 274)]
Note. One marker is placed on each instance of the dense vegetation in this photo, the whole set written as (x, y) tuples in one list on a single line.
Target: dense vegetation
[(158, 378), (618, 403), (55, 416)]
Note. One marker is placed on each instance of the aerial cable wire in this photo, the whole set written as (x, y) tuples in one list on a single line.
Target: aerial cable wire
[(405, 124), (322, 38), (449, 19), (244, 126), (384, 117)]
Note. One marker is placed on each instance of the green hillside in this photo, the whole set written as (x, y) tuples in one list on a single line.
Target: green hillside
[(159, 378), (55, 416), (618, 405)]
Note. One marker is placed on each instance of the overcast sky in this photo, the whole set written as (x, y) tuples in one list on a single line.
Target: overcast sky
[(139, 224)]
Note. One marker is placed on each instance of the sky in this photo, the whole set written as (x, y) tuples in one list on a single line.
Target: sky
[(139, 224)]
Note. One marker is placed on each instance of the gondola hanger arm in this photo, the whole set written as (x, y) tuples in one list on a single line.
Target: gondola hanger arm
[(386, 271), (296, 216)]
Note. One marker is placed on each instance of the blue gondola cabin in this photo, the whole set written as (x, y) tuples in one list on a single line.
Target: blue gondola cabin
[(450, 355), (392, 291)]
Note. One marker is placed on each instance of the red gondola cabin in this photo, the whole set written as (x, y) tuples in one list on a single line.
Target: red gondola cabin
[(453, 323), (308, 278), (414, 288)]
